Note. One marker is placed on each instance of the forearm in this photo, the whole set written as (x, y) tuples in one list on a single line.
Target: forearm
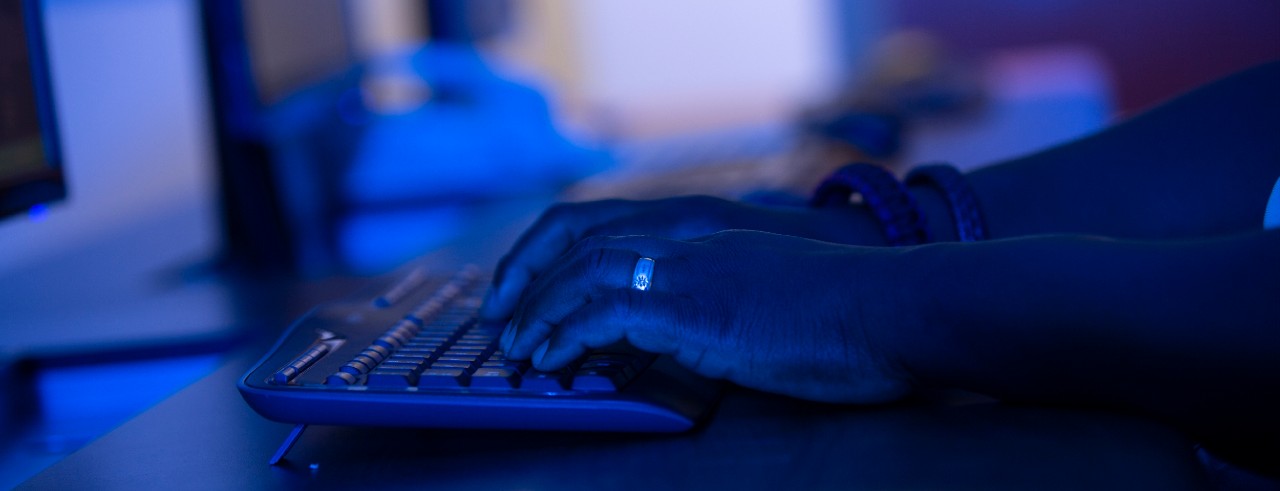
[(1202, 164), (1186, 331)]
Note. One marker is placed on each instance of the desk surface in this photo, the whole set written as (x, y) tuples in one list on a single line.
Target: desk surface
[(206, 437)]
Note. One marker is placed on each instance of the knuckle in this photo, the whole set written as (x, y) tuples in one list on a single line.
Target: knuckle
[(588, 244), (613, 228), (725, 237), (597, 260), (706, 201), (722, 235), (558, 212), (500, 272), (599, 265), (624, 304), (558, 209)]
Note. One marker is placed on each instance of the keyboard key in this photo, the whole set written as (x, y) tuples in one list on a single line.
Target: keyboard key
[(340, 378), (366, 361), (500, 358), (405, 330), (426, 310), (376, 355), (610, 365), (423, 348), (404, 335), (638, 360), (284, 375), (616, 364), (391, 377), (379, 350), (500, 378), (510, 364), (425, 354), (401, 289), (465, 363), (598, 380), (408, 358), (449, 292), (540, 381), (443, 378), (402, 365), (451, 320), (476, 337), (355, 368), (475, 353), (389, 342)]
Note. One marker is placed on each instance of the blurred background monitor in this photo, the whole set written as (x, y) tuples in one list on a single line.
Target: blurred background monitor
[(101, 294), (112, 91), (30, 161)]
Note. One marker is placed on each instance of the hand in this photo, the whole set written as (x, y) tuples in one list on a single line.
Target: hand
[(563, 225), (771, 312)]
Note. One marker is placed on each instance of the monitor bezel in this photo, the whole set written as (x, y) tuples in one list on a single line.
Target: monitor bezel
[(48, 185)]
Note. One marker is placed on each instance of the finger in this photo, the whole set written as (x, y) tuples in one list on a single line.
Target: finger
[(622, 227), (644, 319), (596, 265), (571, 286), (554, 270), (538, 247)]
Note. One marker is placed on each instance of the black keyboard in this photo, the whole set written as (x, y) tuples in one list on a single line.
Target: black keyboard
[(414, 355)]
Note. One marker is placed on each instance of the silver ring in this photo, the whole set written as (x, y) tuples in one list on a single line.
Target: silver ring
[(642, 277)]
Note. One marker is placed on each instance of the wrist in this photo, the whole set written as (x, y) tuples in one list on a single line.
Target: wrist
[(918, 334), (887, 312), (937, 213), (850, 225)]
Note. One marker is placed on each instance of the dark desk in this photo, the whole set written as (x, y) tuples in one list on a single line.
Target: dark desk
[(205, 437)]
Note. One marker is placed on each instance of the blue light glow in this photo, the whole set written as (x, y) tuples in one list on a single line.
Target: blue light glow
[(38, 213)]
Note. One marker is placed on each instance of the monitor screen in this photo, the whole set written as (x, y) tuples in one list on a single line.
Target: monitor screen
[(30, 170)]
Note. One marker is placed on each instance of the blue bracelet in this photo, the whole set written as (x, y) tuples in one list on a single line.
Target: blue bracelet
[(959, 195), (888, 199)]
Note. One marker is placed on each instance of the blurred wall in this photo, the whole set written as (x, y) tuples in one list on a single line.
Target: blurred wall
[(636, 68), (1155, 48)]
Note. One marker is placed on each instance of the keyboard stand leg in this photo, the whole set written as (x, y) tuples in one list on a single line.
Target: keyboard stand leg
[(287, 444)]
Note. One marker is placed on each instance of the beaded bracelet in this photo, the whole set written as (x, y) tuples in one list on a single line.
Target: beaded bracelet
[(970, 226), (888, 199)]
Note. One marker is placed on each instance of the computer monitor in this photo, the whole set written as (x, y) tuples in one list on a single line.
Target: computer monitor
[(30, 160), (120, 264), (259, 54)]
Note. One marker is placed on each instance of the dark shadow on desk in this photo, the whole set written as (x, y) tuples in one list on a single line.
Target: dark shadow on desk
[(207, 438), (759, 441)]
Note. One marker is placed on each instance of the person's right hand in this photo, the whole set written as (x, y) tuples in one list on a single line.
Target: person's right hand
[(805, 318), (563, 225)]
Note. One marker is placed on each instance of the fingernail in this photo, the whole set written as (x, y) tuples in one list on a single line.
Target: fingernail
[(541, 352)]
